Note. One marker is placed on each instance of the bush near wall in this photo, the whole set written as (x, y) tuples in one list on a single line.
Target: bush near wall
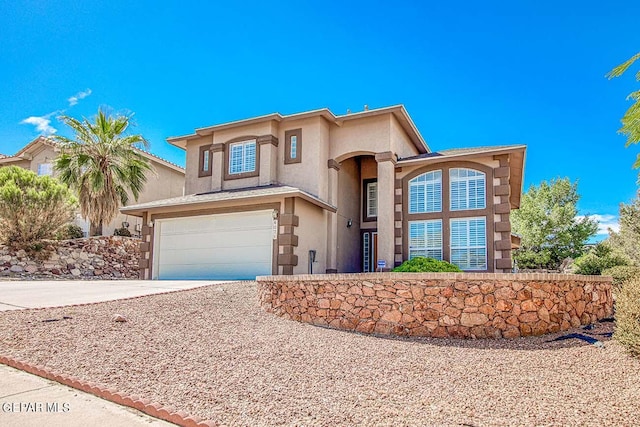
[(104, 257), (627, 330), (622, 273)]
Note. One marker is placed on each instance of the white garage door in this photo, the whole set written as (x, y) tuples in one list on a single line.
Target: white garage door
[(225, 246)]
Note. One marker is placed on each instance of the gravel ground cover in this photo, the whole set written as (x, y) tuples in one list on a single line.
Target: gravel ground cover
[(214, 353)]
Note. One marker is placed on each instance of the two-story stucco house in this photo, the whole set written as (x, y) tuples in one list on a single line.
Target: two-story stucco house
[(316, 192), (168, 180)]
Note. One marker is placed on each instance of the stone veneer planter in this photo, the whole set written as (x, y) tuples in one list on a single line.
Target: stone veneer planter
[(469, 305)]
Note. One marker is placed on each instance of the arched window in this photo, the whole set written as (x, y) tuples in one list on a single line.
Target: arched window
[(467, 189), (425, 193)]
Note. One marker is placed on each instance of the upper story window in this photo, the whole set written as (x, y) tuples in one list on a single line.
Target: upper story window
[(370, 199), (293, 146), (242, 157), (425, 193), (204, 168), (467, 189), (45, 169)]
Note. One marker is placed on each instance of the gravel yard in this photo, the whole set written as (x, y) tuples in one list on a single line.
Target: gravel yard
[(215, 354)]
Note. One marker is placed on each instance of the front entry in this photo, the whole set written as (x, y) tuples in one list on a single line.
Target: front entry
[(369, 250)]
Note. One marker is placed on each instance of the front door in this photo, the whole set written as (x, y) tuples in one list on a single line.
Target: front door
[(369, 251)]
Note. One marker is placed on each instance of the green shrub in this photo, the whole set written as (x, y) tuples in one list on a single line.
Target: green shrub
[(32, 207), (426, 265), (627, 330), (622, 273), (69, 231), (600, 257), (122, 232)]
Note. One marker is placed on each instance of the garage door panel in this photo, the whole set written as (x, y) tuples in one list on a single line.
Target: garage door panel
[(226, 246), (242, 238)]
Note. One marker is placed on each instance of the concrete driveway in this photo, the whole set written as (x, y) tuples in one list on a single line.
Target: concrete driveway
[(16, 295)]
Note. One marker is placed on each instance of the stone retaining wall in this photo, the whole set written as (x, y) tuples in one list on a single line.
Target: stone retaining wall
[(465, 305), (105, 257)]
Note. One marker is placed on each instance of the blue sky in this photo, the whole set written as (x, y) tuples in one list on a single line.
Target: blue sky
[(470, 73)]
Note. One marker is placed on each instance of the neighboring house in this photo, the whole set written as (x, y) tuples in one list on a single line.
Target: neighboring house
[(316, 192), (40, 154)]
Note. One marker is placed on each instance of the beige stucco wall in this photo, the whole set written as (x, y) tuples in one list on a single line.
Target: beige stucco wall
[(193, 184), (348, 256), (165, 184), (369, 135), (310, 175), (312, 234), (401, 144)]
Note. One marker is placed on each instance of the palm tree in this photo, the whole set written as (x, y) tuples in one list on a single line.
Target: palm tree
[(102, 165), (631, 119)]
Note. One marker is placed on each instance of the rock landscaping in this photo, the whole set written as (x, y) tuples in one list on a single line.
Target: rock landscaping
[(215, 354), (105, 257), (440, 304)]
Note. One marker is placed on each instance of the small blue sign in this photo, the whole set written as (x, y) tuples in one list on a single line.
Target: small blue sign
[(382, 263)]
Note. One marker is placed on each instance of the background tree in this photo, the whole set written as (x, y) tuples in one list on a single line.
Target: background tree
[(32, 207), (102, 165), (631, 119), (548, 225), (628, 238)]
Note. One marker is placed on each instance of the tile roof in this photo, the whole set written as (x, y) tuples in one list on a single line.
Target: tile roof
[(230, 195), (462, 151)]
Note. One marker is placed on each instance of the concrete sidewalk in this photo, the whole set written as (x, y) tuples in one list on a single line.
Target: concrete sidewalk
[(27, 400), (16, 295)]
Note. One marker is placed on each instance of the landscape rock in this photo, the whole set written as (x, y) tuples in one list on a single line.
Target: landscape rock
[(104, 257)]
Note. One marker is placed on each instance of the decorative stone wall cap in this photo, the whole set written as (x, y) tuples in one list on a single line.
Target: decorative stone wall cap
[(436, 276)]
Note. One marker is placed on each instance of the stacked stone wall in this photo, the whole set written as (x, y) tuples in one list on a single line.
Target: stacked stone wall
[(105, 257), (440, 304)]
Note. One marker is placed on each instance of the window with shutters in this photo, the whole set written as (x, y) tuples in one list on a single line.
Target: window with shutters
[(242, 157), (467, 189), (425, 239), (469, 243), (425, 193)]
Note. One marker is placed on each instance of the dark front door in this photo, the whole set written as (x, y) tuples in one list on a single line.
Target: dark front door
[(369, 250)]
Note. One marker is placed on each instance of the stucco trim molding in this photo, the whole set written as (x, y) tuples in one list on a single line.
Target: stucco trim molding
[(332, 164), (386, 156)]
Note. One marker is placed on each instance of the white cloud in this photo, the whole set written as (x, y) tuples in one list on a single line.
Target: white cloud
[(78, 96), (605, 222), (42, 123)]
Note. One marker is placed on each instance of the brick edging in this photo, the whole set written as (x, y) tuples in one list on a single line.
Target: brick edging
[(153, 409)]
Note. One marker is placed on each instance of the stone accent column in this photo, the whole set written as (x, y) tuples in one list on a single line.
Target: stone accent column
[(397, 199), (288, 240), (146, 247), (386, 207), (502, 210), (217, 166), (332, 223), (268, 146)]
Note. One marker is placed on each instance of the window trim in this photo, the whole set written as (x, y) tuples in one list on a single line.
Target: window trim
[(288, 160), (469, 247), (227, 161), (446, 214), (201, 171), (365, 200)]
